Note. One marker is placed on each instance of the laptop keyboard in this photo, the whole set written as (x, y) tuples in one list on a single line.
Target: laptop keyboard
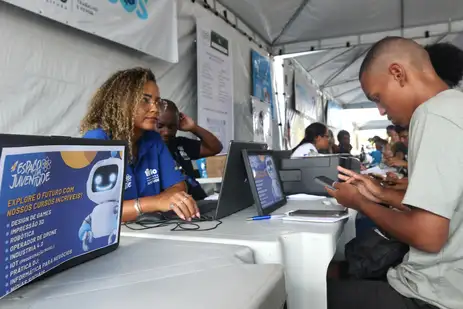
[(207, 207)]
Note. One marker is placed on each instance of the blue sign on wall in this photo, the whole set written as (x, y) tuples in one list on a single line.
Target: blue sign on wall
[(262, 79)]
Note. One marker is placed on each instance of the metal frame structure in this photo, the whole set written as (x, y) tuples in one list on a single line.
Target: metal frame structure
[(346, 45)]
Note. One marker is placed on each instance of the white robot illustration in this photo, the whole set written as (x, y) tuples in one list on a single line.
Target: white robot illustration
[(104, 188), (276, 190)]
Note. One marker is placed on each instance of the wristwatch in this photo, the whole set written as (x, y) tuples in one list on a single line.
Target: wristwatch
[(137, 207)]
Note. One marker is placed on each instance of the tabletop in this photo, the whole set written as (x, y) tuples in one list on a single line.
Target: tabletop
[(143, 271)]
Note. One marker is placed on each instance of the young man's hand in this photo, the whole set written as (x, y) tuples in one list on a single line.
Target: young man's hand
[(396, 162), (347, 195), (186, 123), (367, 186)]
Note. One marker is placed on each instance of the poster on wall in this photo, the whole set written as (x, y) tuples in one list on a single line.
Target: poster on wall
[(262, 122), (334, 115), (306, 96), (56, 203), (262, 79), (147, 26), (215, 82)]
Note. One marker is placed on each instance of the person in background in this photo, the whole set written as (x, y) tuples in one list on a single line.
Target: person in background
[(403, 135), (125, 108), (399, 149), (331, 144), (447, 60), (377, 154), (184, 149), (398, 75), (344, 142), (393, 136), (315, 139)]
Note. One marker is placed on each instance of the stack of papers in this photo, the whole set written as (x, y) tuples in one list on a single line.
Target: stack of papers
[(315, 219), (378, 171), (304, 197), (213, 197)]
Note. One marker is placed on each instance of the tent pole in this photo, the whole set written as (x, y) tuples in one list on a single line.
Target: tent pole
[(329, 60), (347, 91), (343, 68), (342, 82), (452, 26), (402, 18), (291, 21), (357, 97)]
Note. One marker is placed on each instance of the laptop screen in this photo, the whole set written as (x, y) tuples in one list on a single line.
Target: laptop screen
[(60, 204), (266, 180)]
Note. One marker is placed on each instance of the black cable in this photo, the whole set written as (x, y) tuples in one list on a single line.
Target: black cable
[(178, 224)]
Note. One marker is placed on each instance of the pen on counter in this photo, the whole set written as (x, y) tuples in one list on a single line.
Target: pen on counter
[(258, 218)]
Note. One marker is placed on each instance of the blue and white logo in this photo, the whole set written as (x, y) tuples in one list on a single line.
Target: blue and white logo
[(137, 6), (152, 176)]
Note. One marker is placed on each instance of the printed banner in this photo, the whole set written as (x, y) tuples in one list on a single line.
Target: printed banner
[(262, 122), (56, 203), (262, 79), (297, 129), (215, 83), (334, 115), (149, 26), (306, 96)]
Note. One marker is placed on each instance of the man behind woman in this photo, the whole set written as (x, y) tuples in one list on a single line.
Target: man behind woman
[(317, 140), (183, 149)]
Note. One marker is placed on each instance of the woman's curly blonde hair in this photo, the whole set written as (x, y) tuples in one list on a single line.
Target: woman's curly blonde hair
[(113, 106)]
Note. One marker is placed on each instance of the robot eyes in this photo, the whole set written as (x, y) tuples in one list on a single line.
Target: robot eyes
[(105, 178), (98, 179)]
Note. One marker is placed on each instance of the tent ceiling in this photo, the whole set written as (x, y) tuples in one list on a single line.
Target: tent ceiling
[(336, 70), (297, 25), (281, 22)]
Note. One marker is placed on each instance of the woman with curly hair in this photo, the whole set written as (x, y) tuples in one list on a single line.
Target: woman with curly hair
[(125, 108)]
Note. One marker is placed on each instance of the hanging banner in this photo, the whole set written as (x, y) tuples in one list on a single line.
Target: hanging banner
[(306, 96), (262, 122), (149, 26), (298, 125), (215, 83), (334, 115), (262, 79), (56, 203)]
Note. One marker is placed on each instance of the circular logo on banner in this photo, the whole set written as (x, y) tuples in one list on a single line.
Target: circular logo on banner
[(138, 6), (78, 159), (129, 5)]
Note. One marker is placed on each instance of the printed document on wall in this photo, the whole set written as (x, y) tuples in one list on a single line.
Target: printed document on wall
[(215, 82)]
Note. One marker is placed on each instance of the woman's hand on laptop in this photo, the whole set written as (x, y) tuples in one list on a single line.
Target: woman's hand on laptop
[(183, 205)]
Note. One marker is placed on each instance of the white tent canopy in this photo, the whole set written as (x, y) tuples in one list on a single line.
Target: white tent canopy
[(337, 34), (294, 21), (340, 33)]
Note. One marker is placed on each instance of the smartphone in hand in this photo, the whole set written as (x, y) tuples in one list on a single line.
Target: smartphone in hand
[(325, 181)]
